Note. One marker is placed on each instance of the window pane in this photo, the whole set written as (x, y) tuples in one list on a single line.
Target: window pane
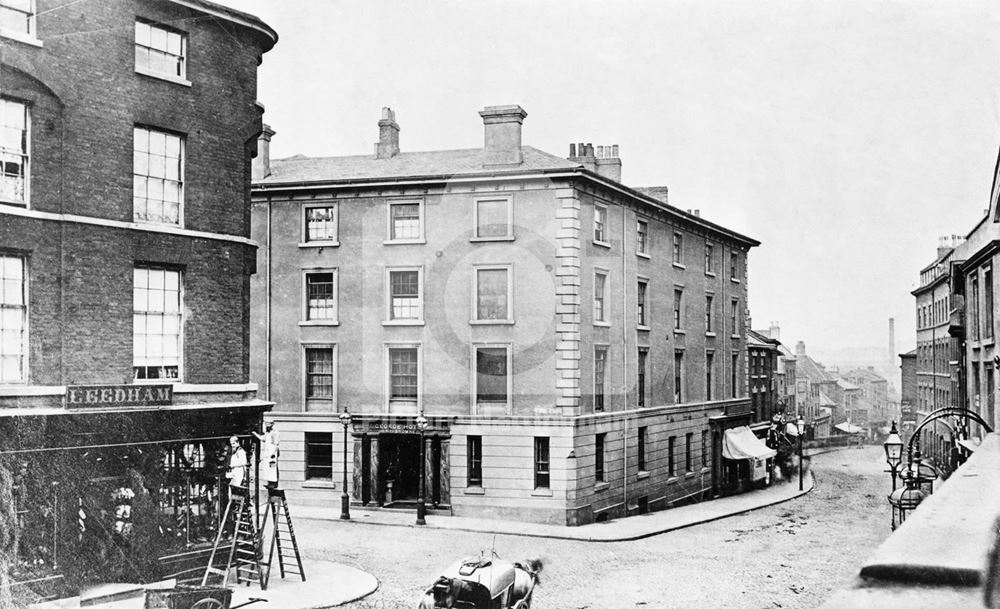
[(491, 294), (156, 323), (319, 456), (321, 224), (404, 290), (491, 218), (405, 221), (321, 303), (157, 179), (403, 374), (491, 374)]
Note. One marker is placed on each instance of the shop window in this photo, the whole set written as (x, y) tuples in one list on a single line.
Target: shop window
[(541, 463), (160, 51), (14, 145), (319, 456), (157, 324), (158, 176), (13, 320), (475, 460)]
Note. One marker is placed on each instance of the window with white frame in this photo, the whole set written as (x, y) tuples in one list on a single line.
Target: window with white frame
[(17, 17), (405, 220), (642, 312), (320, 223), (405, 302), (321, 296), (600, 297), (493, 218), (493, 293), (642, 237), (492, 375), (157, 327), (160, 51), (14, 141), (404, 375), (600, 221), (158, 176), (13, 319), (320, 378)]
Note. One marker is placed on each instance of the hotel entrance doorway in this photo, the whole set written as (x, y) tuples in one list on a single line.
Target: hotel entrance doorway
[(400, 461)]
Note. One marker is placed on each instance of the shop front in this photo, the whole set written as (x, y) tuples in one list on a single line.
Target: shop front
[(126, 491), (387, 462)]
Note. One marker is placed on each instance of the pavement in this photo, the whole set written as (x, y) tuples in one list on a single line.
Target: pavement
[(621, 529)]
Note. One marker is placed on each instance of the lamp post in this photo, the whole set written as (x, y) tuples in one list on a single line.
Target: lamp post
[(345, 499), (893, 446), (800, 425), (421, 427)]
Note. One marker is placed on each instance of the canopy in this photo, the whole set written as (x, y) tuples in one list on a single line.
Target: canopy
[(740, 443), (791, 429), (969, 445), (848, 428)]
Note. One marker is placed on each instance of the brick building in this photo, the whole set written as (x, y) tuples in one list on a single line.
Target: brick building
[(577, 345), (127, 129), (763, 377)]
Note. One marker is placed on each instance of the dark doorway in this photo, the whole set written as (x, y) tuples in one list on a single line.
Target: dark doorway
[(399, 461), (366, 470)]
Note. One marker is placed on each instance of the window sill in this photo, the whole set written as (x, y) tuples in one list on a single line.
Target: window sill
[(405, 242), (177, 80), (403, 322), (643, 255), (709, 274), (643, 328), (541, 492), (491, 322), (474, 490), (734, 336), (734, 280), (328, 484), (602, 324), (672, 480), (320, 244), (20, 37), (12, 203), (679, 331), (175, 381), (678, 265), (710, 334), (688, 475), (603, 244), (488, 239), (642, 475), (319, 322), (600, 486)]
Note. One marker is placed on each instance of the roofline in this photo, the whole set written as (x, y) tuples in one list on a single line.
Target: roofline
[(577, 172), (239, 17), (933, 284), (981, 254)]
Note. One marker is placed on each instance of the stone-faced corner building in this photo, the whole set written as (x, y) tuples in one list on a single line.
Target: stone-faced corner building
[(127, 129), (578, 346)]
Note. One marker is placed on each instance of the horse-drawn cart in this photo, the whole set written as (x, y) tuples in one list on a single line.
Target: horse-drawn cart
[(481, 583)]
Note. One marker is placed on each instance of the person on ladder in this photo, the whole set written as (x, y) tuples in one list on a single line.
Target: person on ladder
[(238, 463), (269, 452)]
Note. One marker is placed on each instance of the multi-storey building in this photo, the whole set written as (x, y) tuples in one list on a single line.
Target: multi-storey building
[(576, 346), (763, 377), (126, 134)]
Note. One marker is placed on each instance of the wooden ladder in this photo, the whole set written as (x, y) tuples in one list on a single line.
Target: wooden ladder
[(277, 510), (244, 555)]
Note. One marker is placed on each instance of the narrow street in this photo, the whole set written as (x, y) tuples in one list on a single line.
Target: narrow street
[(791, 555)]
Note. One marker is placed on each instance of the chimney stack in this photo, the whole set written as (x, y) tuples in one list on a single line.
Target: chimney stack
[(603, 160), (388, 135), (260, 168), (774, 331), (502, 127), (800, 348)]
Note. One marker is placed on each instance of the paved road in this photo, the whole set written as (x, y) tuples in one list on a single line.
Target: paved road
[(790, 556)]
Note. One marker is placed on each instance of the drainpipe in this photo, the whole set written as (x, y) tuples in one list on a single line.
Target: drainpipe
[(267, 306), (625, 378)]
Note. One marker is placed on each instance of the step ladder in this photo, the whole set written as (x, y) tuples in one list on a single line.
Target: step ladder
[(244, 556), (282, 537)]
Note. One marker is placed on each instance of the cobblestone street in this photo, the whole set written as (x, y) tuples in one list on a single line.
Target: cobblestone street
[(791, 555)]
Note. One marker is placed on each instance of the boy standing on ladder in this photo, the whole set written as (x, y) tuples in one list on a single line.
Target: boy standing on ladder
[(269, 452)]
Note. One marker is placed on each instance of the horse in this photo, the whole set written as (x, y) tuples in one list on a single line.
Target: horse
[(446, 591)]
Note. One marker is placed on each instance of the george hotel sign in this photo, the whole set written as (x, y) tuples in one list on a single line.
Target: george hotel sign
[(96, 396)]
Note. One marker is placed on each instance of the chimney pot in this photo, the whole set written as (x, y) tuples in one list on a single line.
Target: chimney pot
[(572, 150), (600, 152), (502, 134), (388, 135), (614, 151), (260, 168)]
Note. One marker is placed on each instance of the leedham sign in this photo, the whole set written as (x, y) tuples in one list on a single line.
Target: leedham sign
[(96, 396)]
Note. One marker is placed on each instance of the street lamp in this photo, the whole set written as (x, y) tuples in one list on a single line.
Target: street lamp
[(893, 446), (905, 499), (421, 426), (801, 426), (345, 499)]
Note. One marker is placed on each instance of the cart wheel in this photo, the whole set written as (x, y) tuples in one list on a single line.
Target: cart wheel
[(208, 603)]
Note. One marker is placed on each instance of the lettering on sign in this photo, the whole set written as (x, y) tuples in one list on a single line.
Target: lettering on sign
[(96, 396)]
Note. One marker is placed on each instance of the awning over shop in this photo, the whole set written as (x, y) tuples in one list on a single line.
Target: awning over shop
[(791, 429), (741, 443), (848, 428), (969, 445)]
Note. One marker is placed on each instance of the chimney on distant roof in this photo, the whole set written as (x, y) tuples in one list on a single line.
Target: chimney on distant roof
[(388, 135), (260, 168), (502, 130), (774, 331), (800, 348), (603, 160)]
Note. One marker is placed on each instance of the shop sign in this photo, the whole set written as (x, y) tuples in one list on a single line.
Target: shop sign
[(96, 396), (393, 427)]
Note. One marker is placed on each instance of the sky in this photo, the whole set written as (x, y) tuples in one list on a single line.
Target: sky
[(845, 136)]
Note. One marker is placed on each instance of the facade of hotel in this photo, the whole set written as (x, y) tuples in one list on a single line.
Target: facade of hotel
[(126, 133), (577, 346)]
